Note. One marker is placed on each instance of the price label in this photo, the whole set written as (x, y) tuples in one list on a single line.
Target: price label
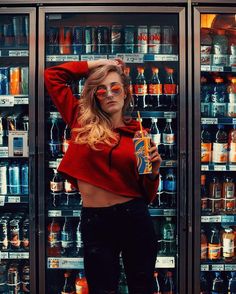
[(6, 101), (227, 218), (232, 167), (21, 101), (217, 68), (233, 68), (76, 213), (3, 151), (169, 212), (204, 267), (100, 57), (4, 255), (52, 164), (59, 58), (13, 199), (55, 114), (217, 267), (170, 57), (165, 262), (205, 68), (169, 114), (53, 262), (205, 219), (19, 255), (87, 57), (2, 200), (131, 58), (71, 263), (54, 213), (230, 267), (18, 53), (204, 167), (209, 121), (220, 167), (215, 218)]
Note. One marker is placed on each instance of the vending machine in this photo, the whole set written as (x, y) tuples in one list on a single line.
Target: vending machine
[(215, 165), (17, 151), (151, 41)]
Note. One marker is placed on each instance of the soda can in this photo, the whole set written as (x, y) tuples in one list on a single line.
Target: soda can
[(26, 29), (3, 179), (90, 40), (65, 40), (103, 39), (130, 39), (14, 178), (167, 39), (18, 30), (26, 278), (52, 40), (13, 279), (25, 234), (142, 39), (15, 80), (3, 235), (24, 80), (8, 35), (1, 35), (25, 122), (117, 39), (4, 80), (154, 39), (3, 277), (15, 234), (25, 179), (78, 40)]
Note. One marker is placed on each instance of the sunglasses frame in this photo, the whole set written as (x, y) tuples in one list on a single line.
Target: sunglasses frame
[(108, 89)]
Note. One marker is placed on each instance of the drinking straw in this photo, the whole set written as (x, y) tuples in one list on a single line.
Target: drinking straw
[(142, 134)]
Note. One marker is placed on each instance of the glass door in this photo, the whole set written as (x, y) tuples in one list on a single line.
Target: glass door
[(151, 43), (17, 151)]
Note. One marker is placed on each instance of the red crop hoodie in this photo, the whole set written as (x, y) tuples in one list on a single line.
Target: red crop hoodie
[(114, 168)]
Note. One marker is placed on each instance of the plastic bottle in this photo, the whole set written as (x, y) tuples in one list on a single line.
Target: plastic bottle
[(25, 179), (81, 285), (55, 142), (220, 146), (206, 145), (232, 145), (68, 287), (56, 183), (155, 88), (203, 245), (66, 139), (228, 195), (67, 238), (204, 199), (79, 242), (156, 286), (220, 43), (218, 286), (140, 88), (54, 238), (231, 89), (232, 283), (154, 132), (214, 245), (168, 139), (168, 237), (228, 239), (170, 86), (168, 285), (215, 195), (206, 46), (219, 98), (123, 288), (205, 97), (204, 286)]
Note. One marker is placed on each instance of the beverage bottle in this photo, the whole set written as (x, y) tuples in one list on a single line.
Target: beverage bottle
[(123, 288), (204, 198), (232, 283), (140, 89), (156, 286), (168, 139), (205, 97), (228, 240), (54, 141), (168, 285), (219, 98), (220, 43), (127, 72), (13, 279), (155, 88), (66, 139), (228, 194), (158, 201), (215, 195), (206, 145), (214, 245), (218, 286), (168, 237), (203, 245), (56, 183), (14, 178), (154, 132), (170, 86), (3, 137), (79, 242), (68, 287), (170, 184), (232, 145), (220, 146), (81, 85), (54, 238), (25, 179), (26, 278), (231, 89), (70, 193), (81, 285), (204, 287), (67, 238)]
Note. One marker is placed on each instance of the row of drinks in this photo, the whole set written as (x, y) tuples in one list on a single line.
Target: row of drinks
[(15, 33), (14, 277), (115, 39), (14, 80), (218, 145), (14, 232), (218, 243), (218, 282), (14, 178)]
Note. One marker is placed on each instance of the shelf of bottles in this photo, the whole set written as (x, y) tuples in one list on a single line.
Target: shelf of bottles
[(218, 160), (152, 66), (14, 154)]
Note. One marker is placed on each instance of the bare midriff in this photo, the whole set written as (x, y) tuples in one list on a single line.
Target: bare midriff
[(93, 196)]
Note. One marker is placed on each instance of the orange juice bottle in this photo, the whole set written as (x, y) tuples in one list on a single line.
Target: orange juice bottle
[(206, 145), (232, 145), (214, 245), (203, 245), (81, 284), (228, 239)]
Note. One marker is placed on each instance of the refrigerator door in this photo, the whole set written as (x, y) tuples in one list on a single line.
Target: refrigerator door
[(151, 41), (17, 150), (214, 109)]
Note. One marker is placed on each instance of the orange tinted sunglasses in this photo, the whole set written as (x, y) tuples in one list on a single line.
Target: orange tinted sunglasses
[(102, 91)]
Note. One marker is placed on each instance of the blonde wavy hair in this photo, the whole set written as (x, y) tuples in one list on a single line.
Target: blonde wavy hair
[(95, 124)]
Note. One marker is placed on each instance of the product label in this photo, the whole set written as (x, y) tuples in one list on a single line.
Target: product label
[(214, 251), (56, 186), (220, 154), (156, 138), (229, 191), (66, 239), (218, 109), (69, 187), (204, 203), (170, 89), (168, 138), (204, 251), (155, 89), (228, 247), (232, 109), (205, 109), (232, 153), (65, 146), (53, 239), (140, 89), (206, 152), (170, 186)]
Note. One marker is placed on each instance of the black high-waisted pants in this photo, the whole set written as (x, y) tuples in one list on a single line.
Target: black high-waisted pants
[(125, 228)]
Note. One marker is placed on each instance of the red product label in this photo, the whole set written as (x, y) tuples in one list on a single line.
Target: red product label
[(155, 89), (140, 89), (170, 89)]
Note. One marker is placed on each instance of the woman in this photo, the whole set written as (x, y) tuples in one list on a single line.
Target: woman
[(101, 163)]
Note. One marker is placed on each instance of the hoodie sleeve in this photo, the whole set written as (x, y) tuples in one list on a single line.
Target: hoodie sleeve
[(57, 80), (149, 187)]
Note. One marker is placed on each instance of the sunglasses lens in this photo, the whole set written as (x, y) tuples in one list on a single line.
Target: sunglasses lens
[(116, 89), (101, 93)]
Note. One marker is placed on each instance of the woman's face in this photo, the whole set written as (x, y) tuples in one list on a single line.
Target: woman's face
[(111, 95)]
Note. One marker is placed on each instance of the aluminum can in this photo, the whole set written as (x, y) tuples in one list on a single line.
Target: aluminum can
[(25, 234), (90, 40), (3, 179), (14, 178), (130, 39), (4, 80), (3, 235), (18, 30), (15, 88), (154, 39), (15, 238), (117, 39), (13, 279), (78, 40), (3, 277), (142, 39), (167, 39), (65, 40), (1, 35), (52, 40), (8, 35), (26, 29), (25, 122), (26, 278), (103, 39), (25, 80), (25, 179)]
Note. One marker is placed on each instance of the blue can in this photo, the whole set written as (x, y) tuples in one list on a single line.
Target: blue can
[(103, 39), (130, 38), (52, 40), (78, 40), (25, 179), (14, 178), (4, 80)]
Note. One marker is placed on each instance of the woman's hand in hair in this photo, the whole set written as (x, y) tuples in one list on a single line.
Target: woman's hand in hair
[(100, 62)]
